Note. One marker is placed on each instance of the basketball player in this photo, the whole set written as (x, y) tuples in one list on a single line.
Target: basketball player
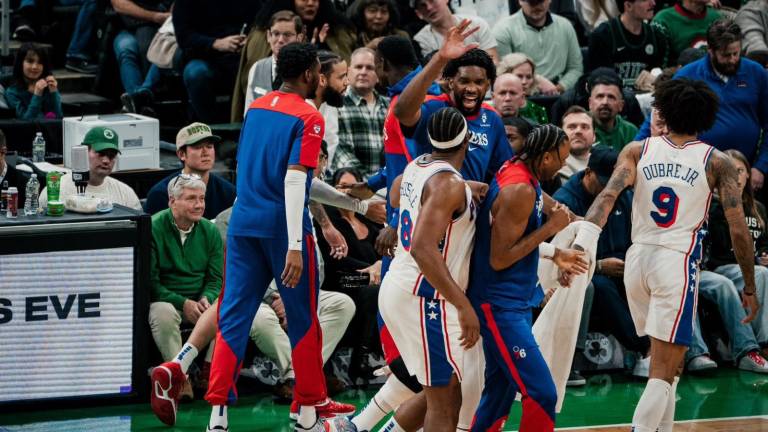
[(270, 237), (422, 297), (510, 237), (673, 176)]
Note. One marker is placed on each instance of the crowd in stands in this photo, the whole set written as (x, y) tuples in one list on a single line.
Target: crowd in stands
[(588, 65)]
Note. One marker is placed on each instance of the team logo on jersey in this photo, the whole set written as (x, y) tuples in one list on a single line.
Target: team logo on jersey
[(316, 128), (649, 49), (478, 139), (518, 352), (484, 118)]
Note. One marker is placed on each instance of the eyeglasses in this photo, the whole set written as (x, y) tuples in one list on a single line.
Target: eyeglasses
[(185, 176)]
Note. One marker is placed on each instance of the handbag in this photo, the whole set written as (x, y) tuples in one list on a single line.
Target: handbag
[(163, 47)]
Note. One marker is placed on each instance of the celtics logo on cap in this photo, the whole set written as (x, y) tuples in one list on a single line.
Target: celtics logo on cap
[(108, 134)]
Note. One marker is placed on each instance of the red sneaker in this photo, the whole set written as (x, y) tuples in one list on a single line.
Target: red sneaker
[(167, 382), (328, 409)]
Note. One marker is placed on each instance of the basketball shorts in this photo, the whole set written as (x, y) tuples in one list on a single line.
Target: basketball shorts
[(425, 331), (662, 290)]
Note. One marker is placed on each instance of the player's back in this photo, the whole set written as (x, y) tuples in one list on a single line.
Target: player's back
[(514, 286), (672, 194), (457, 242), (280, 129)]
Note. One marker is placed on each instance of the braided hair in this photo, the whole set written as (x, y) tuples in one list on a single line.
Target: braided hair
[(445, 125), (540, 140)]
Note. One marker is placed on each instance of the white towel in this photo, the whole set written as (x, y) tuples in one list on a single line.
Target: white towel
[(557, 328)]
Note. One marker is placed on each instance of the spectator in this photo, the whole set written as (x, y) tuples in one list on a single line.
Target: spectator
[(9, 173), (357, 275), (579, 126), (195, 146), (516, 128), (742, 87), (579, 95), (374, 19), (523, 67), (609, 300), (605, 103), (628, 43), (593, 13), (440, 18), (141, 19), (339, 38), (723, 262), (102, 143), (361, 120), (209, 33), (489, 10), (563, 8), (508, 94), (35, 92), (548, 39), (78, 57), (753, 20), (284, 28), (686, 24), (186, 265)]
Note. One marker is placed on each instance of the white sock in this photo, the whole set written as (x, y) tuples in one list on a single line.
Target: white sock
[(391, 426), (218, 416), (186, 356), (651, 406), (307, 416), (387, 399), (668, 419)]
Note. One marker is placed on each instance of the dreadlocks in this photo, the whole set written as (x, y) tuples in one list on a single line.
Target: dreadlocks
[(540, 140)]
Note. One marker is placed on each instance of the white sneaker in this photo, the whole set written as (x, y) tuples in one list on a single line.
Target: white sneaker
[(217, 428), (753, 362), (701, 363), (642, 367)]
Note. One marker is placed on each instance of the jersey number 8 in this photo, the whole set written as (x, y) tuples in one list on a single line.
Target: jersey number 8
[(406, 226), (666, 201)]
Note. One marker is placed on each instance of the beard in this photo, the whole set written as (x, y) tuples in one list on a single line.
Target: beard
[(458, 101), (333, 97), (724, 68)]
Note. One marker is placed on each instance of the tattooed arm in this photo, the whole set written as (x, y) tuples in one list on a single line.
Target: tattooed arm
[(721, 174), (334, 238), (623, 177)]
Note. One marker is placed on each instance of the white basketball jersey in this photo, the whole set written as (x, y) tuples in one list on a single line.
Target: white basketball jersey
[(672, 194), (457, 242)]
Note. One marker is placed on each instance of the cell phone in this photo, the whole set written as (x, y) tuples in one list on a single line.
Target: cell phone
[(243, 29)]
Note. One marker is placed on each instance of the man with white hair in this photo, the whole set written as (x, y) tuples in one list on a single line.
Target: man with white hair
[(186, 265), (508, 95)]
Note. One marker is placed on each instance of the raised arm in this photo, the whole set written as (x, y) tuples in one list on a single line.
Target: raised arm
[(408, 107), (623, 177), (722, 175)]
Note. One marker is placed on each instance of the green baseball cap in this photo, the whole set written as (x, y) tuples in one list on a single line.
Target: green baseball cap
[(101, 138)]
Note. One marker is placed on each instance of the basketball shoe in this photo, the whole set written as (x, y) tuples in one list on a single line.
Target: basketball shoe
[(329, 409), (167, 383)]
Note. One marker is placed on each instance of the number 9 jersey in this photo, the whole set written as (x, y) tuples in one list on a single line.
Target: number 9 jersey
[(672, 194)]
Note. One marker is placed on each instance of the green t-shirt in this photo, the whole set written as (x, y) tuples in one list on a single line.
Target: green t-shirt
[(622, 134), (684, 29)]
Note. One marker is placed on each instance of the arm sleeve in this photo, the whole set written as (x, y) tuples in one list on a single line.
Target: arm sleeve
[(326, 194), (213, 275), (24, 112), (159, 292), (295, 186), (575, 65)]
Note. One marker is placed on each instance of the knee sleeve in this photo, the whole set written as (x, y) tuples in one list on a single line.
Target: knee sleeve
[(401, 372)]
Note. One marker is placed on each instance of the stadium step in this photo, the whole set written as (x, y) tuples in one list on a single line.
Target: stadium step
[(74, 82), (75, 104)]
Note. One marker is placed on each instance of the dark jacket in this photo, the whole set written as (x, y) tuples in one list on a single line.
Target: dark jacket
[(717, 244), (219, 196), (617, 232)]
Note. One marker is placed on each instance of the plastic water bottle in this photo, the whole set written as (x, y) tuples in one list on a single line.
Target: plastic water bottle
[(38, 148), (32, 200)]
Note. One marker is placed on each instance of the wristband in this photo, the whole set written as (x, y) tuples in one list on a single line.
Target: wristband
[(547, 250)]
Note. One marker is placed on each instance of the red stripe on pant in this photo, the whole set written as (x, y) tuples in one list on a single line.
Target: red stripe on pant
[(534, 418)]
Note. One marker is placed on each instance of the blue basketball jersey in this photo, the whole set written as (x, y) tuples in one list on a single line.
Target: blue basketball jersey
[(513, 287), (280, 129)]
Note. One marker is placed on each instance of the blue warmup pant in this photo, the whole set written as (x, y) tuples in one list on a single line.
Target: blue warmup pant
[(513, 363), (251, 264)]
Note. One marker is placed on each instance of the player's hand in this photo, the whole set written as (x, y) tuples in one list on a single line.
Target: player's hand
[(613, 267), (293, 267), (571, 261), (336, 241), (360, 191), (386, 242), (559, 217), (191, 311), (479, 190), (377, 212), (750, 302), (470, 326), (453, 45), (757, 179), (373, 272)]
